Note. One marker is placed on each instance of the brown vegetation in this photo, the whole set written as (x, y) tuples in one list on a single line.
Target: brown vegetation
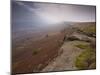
[(37, 55)]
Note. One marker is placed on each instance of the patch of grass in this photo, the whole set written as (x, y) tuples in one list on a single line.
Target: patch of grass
[(90, 30), (82, 46), (86, 60), (35, 51)]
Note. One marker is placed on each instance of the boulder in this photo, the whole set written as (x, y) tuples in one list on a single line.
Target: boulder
[(78, 36)]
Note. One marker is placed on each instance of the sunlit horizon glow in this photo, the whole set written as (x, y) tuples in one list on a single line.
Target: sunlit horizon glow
[(54, 13)]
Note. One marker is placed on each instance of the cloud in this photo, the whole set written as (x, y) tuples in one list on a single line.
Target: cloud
[(59, 12), (25, 6)]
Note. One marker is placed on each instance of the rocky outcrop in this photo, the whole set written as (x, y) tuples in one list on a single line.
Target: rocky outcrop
[(78, 36)]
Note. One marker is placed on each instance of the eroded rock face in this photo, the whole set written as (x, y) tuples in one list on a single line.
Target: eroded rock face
[(78, 36)]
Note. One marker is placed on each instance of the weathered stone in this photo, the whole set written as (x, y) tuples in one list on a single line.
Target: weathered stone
[(78, 36)]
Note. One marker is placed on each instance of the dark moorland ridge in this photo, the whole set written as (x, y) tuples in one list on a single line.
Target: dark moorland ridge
[(72, 48)]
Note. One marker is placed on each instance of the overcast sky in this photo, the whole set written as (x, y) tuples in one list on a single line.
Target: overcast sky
[(51, 13)]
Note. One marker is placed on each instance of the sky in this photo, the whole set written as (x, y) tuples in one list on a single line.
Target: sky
[(49, 13)]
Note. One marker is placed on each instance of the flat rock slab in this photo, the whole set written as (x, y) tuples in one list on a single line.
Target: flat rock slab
[(66, 61), (81, 37)]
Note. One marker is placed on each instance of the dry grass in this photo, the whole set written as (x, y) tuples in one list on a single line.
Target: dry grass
[(87, 59)]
